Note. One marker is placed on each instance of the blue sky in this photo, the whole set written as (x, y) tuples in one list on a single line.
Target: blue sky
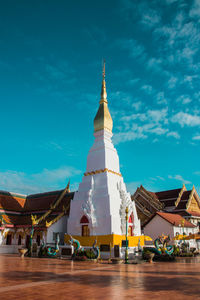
[(50, 72)]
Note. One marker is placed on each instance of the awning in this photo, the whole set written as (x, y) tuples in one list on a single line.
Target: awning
[(147, 238)]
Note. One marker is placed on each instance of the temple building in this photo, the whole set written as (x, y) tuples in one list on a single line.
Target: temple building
[(47, 212), (98, 208), (177, 201), (170, 224)]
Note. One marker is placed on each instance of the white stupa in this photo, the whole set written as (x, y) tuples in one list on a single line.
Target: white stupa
[(98, 207)]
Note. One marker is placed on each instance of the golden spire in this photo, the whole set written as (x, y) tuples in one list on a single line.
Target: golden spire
[(103, 118), (103, 87)]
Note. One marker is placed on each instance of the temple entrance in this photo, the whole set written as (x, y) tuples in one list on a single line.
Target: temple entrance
[(85, 230), (9, 239), (85, 227), (27, 241), (116, 250), (130, 230)]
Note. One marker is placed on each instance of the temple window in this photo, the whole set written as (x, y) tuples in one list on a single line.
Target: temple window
[(85, 227), (19, 239), (9, 239)]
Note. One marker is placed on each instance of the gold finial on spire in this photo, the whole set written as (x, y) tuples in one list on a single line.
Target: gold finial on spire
[(103, 87), (104, 71), (103, 118)]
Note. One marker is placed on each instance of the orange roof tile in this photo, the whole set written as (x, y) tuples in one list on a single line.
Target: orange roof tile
[(11, 202), (174, 219)]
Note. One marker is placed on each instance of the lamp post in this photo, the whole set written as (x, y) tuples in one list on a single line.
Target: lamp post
[(31, 241), (126, 251), (182, 224)]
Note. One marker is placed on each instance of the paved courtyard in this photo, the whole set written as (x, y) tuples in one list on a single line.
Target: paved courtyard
[(34, 278)]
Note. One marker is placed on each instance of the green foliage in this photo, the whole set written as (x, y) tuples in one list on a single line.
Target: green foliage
[(176, 251), (146, 254), (90, 254)]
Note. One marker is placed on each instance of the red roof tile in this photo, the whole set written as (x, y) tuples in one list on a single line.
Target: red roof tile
[(174, 219)]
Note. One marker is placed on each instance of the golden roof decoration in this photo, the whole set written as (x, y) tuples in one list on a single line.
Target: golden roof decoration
[(103, 118)]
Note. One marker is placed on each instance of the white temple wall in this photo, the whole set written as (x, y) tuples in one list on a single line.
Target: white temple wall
[(60, 226), (104, 193)]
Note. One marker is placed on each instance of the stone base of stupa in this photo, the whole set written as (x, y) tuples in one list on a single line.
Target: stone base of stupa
[(111, 245)]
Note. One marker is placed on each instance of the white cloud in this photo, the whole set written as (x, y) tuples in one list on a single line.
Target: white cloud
[(140, 116), (179, 178), (184, 99), (121, 137), (172, 82), (185, 119), (20, 182), (174, 134), (155, 64), (153, 122), (132, 82), (158, 130), (156, 178), (161, 178), (195, 10), (137, 105), (196, 137), (161, 98), (136, 50), (132, 186), (150, 18), (197, 96), (121, 97), (180, 41), (170, 1), (147, 88), (158, 115)]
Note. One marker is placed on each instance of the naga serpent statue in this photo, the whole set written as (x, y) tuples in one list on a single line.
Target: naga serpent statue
[(161, 246), (49, 251), (53, 251), (79, 251)]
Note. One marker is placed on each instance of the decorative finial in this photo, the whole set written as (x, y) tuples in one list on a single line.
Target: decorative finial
[(103, 120), (103, 87), (104, 71)]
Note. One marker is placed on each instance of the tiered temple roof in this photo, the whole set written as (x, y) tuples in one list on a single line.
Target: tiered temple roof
[(177, 201), (16, 210)]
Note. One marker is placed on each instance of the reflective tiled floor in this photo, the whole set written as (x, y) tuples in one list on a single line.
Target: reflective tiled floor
[(34, 278)]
